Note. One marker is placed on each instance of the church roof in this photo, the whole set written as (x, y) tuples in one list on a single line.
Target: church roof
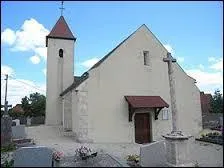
[(77, 81), (146, 101), (61, 31)]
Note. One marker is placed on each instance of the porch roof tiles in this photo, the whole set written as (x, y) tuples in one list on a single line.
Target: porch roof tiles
[(146, 101)]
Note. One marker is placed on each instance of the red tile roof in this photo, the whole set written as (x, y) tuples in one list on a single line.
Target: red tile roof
[(61, 30), (205, 102), (146, 101), (18, 108)]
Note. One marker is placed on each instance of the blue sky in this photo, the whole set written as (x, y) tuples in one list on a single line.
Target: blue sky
[(192, 31)]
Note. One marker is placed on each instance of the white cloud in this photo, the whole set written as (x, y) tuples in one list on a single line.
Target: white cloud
[(44, 71), (89, 63), (211, 59), (180, 59), (218, 65), (35, 59), (7, 70), (30, 37), (169, 48), (19, 88), (207, 81), (42, 52), (8, 36)]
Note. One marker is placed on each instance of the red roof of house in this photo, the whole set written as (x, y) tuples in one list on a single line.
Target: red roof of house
[(146, 101), (18, 108), (61, 30), (205, 102)]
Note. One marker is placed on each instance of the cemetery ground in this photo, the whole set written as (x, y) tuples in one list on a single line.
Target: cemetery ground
[(201, 153), (205, 154)]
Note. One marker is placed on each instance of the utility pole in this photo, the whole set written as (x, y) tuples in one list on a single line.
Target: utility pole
[(6, 102)]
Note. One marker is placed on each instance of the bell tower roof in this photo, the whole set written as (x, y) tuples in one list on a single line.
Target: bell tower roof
[(60, 31)]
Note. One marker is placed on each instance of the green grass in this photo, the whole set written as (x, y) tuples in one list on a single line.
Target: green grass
[(8, 148)]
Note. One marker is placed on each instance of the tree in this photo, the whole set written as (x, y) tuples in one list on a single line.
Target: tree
[(14, 114), (26, 106), (217, 102), (34, 105)]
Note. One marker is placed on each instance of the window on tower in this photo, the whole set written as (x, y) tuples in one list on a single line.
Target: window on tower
[(61, 53)]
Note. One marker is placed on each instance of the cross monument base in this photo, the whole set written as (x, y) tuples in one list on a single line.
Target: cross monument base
[(177, 150)]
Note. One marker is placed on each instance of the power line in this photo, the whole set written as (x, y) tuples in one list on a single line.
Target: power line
[(27, 84)]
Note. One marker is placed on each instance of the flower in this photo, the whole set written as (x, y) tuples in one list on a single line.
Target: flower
[(57, 155), (83, 151)]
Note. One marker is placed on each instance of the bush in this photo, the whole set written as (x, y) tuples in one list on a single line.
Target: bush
[(8, 163), (83, 152), (8, 148), (133, 158)]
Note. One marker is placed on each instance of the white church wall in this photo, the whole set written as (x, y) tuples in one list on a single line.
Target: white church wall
[(67, 110), (56, 82), (123, 73), (188, 103), (75, 115), (81, 116)]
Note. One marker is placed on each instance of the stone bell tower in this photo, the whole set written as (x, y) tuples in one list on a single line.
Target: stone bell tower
[(60, 69)]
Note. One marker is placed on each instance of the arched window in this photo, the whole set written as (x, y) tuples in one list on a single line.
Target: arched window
[(61, 53)]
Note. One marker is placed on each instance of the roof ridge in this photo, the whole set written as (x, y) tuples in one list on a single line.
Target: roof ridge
[(108, 54), (85, 75)]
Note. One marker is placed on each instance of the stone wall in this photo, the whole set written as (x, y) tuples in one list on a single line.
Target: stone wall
[(211, 120), (37, 120), (33, 121)]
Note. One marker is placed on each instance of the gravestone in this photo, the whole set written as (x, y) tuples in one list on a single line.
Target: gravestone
[(18, 132), (38, 156), (221, 121), (153, 154), (6, 130), (15, 122), (28, 121), (101, 160)]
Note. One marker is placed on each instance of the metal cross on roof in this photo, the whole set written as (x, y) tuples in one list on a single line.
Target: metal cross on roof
[(62, 2)]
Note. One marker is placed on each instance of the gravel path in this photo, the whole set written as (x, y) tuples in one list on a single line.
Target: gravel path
[(206, 154), (50, 136)]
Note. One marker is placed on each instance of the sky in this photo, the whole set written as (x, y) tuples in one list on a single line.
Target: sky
[(191, 31)]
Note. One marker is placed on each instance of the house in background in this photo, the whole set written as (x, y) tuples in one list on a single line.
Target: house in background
[(209, 119), (18, 108), (123, 98), (205, 103)]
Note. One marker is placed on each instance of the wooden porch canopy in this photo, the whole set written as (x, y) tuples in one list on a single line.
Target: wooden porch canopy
[(145, 102)]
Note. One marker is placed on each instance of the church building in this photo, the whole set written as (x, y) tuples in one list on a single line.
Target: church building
[(123, 98)]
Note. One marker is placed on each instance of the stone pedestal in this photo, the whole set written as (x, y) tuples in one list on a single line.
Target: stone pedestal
[(6, 130), (177, 150)]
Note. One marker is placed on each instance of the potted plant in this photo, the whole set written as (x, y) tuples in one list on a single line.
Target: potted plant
[(57, 157), (133, 160), (83, 152)]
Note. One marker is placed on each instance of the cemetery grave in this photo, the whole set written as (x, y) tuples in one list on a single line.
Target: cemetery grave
[(212, 137)]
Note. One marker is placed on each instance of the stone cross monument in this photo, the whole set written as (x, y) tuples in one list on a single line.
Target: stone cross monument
[(6, 121), (176, 141)]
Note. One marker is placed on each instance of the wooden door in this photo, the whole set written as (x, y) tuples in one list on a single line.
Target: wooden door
[(142, 128)]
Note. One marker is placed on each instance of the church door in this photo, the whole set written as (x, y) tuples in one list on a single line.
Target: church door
[(142, 128)]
